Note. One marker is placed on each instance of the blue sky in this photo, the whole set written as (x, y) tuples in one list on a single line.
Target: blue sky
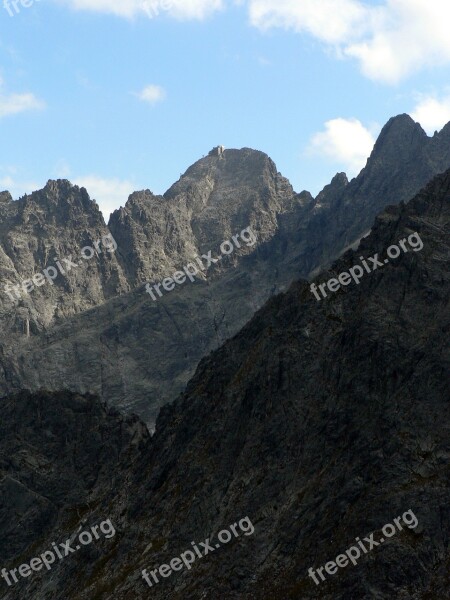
[(98, 92)]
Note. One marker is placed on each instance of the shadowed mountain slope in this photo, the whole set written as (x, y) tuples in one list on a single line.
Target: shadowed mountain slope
[(96, 330), (321, 422)]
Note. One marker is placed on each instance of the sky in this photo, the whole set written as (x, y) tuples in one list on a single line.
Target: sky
[(124, 95)]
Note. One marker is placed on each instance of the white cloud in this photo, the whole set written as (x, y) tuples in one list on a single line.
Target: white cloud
[(344, 141), (152, 94), (12, 104), (178, 9), (62, 169), (329, 20), (194, 9), (432, 113), (110, 194), (17, 188), (390, 40)]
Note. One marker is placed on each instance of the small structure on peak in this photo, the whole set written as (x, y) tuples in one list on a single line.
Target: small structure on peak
[(217, 151)]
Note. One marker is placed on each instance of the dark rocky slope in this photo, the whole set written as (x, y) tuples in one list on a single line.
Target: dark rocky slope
[(139, 354), (61, 454), (321, 422)]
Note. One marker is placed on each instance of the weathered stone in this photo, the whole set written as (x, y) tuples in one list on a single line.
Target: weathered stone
[(97, 330), (320, 421)]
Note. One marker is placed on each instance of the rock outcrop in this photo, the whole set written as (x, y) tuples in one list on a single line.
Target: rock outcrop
[(96, 330), (320, 421)]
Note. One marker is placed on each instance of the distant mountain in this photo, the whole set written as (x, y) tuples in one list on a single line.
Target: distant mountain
[(216, 198), (319, 421), (97, 330), (403, 160), (133, 350)]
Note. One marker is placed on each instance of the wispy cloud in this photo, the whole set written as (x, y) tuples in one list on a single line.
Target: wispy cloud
[(110, 194), (390, 40), (432, 112), (345, 142), (12, 104), (178, 9), (264, 62), (152, 94), (17, 187)]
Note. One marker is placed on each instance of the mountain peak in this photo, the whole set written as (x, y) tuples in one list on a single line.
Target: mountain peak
[(403, 119), (340, 179), (333, 190), (244, 167), (398, 127), (400, 141), (61, 202), (5, 197)]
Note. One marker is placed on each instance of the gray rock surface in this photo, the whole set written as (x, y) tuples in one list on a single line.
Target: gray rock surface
[(97, 330), (320, 421), (59, 454)]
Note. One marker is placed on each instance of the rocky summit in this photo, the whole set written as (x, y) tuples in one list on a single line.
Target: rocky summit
[(320, 422), (95, 329)]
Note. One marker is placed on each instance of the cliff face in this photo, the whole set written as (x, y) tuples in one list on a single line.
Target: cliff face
[(216, 198), (38, 231), (321, 421), (96, 329), (59, 454), (132, 350), (403, 160)]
